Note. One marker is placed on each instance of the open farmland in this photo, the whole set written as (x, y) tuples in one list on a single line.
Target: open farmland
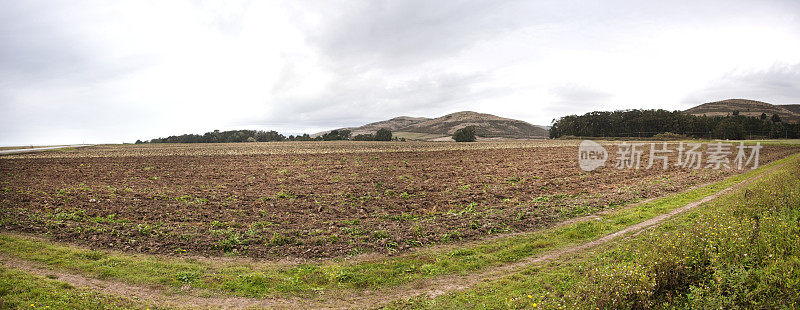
[(311, 200)]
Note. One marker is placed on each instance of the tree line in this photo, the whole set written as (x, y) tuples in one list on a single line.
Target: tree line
[(649, 123), (217, 136)]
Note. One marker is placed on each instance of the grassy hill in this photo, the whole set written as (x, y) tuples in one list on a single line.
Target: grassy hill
[(745, 107), (394, 124), (487, 126), (441, 128), (791, 107)]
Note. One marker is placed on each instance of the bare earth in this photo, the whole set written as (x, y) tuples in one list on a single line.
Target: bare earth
[(370, 299)]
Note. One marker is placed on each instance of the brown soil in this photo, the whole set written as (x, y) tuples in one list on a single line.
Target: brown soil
[(368, 299), (315, 205)]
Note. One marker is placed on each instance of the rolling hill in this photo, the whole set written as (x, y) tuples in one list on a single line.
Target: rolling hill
[(441, 128), (791, 107), (746, 108), (393, 124)]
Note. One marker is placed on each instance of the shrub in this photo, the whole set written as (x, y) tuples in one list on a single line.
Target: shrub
[(670, 136)]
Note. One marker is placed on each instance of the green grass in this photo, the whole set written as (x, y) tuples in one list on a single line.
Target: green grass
[(739, 251), (20, 290), (246, 278), (771, 142)]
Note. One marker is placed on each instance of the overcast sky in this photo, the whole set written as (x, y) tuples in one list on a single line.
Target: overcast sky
[(117, 71)]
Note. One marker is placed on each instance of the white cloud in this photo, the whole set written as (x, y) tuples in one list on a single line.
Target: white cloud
[(95, 71)]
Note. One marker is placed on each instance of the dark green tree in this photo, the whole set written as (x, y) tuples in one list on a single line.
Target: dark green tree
[(383, 134), (776, 118), (337, 134), (466, 134), (332, 135), (364, 137), (729, 129)]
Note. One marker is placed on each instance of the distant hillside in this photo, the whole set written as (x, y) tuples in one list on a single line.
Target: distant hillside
[(791, 107), (486, 125), (745, 108), (441, 128), (394, 124)]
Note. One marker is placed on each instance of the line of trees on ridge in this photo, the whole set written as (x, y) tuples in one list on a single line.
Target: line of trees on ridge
[(649, 123), (217, 136)]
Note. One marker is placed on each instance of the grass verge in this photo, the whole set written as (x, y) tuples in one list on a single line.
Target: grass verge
[(20, 290)]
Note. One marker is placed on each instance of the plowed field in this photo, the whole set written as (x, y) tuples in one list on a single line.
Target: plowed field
[(312, 200)]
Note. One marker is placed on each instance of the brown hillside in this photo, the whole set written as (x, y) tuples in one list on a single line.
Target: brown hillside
[(394, 124), (791, 107), (421, 128), (745, 107), (487, 125)]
